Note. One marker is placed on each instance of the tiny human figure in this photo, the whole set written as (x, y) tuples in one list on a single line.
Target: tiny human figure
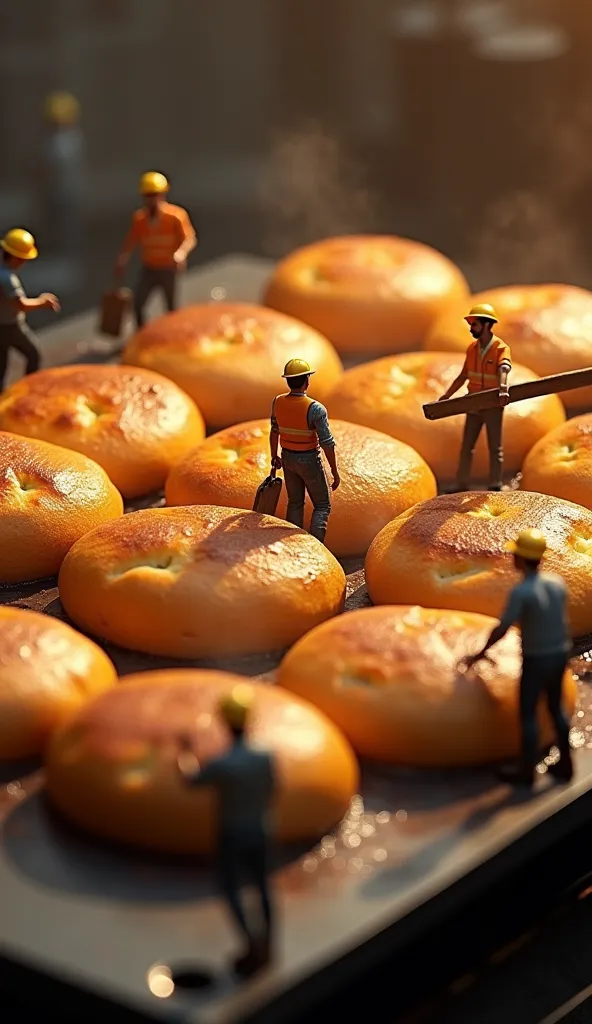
[(18, 246), (300, 425), (62, 186), (487, 364), (165, 235), (244, 780), (538, 605)]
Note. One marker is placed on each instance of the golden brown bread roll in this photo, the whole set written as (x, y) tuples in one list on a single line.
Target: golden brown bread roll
[(367, 293), (561, 462), (47, 671), (200, 582), (49, 497), (380, 477), (134, 423), (230, 356), (112, 769), (449, 552), (389, 678), (388, 395)]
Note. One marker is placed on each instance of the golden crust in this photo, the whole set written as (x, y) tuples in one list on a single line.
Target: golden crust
[(388, 395), (134, 423), (448, 552), (561, 462), (200, 582), (49, 497), (375, 293), (112, 769), (230, 356), (380, 478), (47, 671), (389, 678)]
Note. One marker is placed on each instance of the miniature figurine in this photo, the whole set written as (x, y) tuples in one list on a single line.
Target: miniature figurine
[(244, 781), (300, 425), (18, 246), (63, 173), (487, 364), (165, 235), (538, 604)]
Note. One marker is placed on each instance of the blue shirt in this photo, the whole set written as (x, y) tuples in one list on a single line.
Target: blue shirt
[(10, 289), (538, 605), (243, 779)]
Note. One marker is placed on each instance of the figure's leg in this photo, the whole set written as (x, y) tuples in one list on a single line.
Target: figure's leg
[(229, 863), (25, 342), (494, 419), (531, 683), (169, 279), (143, 290), (317, 485), (5, 334), (564, 768), (473, 425), (294, 490)]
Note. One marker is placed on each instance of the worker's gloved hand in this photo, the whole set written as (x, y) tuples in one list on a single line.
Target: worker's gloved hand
[(51, 301), (443, 398), (276, 462), (504, 396), (180, 261), (336, 481)]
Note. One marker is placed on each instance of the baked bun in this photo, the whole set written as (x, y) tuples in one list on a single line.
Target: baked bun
[(389, 678), (380, 478), (388, 395), (449, 552), (547, 326), (47, 671), (230, 357), (112, 770), (561, 462), (367, 293), (49, 497), (200, 582), (134, 423)]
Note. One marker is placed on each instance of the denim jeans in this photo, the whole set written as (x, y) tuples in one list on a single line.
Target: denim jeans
[(164, 279), (492, 419), (245, 859), (304, 472), (20, 337), (542, 676)]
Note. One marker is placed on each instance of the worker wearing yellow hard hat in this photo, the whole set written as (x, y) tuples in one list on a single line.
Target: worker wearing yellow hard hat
[(62, 108), (18, 247), (165, 236), (301, 427), (487, 365), (243, 779), (538, 606)]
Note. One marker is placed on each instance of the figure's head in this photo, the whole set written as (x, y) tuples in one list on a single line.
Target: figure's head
[(236, 707), (297, 373), (528, 550), (481, 319), (153, 189), (18, 246), (62, 109)]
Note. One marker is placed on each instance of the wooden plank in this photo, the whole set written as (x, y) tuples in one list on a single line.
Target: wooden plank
[(553, 385)]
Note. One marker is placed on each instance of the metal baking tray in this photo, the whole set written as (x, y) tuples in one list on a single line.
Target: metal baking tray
[(95, 923)]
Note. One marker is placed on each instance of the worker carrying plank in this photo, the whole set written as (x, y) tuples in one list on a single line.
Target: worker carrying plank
[(487, 364)]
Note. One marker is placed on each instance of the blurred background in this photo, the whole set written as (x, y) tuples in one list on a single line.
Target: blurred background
[(467, 125)]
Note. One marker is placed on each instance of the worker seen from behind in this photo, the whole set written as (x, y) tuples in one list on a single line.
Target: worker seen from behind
[(243, 780), (538, 605), (18, 247), (165, 236), (300, 425), (487, 365)]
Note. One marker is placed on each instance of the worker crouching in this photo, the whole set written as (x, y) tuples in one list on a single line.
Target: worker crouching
[(301, 427)]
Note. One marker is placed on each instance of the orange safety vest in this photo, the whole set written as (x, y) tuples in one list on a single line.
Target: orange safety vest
[(482, 366), (160, 238), (291, 412)]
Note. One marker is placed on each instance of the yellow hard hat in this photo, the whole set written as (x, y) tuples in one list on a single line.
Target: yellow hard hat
[(482, 311), (19, 243), (529, 544), (297, 368), (236, 706), (62, 108), (153, 183)]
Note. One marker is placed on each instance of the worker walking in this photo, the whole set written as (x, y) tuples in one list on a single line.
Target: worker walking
[(487, 364), (538, 605), (165, 236), (300, 425), (18, 246), (244, 780)]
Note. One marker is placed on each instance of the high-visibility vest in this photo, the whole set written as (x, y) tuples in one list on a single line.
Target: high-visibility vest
[(291, 412), (159, 238), (482, 365)]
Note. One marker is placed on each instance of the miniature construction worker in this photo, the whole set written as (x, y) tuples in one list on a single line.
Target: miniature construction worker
[(63, 176), (18, 246), (243, 779), (300, 426), (487, 364), (165, 236), (538, 605)]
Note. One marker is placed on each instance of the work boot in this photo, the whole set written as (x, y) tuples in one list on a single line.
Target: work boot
[(517, 775), (563, 770), (495, 487)]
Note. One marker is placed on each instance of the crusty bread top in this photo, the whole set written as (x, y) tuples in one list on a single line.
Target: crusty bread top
[(547, 314), (119, 401), (34, 647), (381, 266), (46, 471)]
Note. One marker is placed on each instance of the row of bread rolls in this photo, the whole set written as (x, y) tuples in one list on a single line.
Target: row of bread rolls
[(381, 682)]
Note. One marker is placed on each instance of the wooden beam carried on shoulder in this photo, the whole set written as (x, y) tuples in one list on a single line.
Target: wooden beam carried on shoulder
[(482, 400)]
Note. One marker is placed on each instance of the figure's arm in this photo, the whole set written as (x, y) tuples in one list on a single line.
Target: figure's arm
[(190, 769), (274, 439), (15, 294), (319, 420), (189, 239), (128, 245), (456, 384), (504, 368), (511, 615)]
